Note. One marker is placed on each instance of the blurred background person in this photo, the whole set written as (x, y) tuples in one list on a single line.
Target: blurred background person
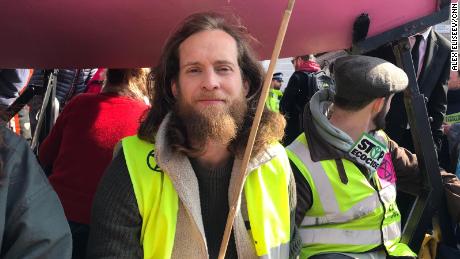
[(453, 93), (275, 93), (299, 90), (12, 83), (70, 82), (81, 143), (448, 157), (32, 222), (430, 55)]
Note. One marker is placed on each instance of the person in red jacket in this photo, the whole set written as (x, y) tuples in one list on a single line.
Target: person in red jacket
[(80, 145)]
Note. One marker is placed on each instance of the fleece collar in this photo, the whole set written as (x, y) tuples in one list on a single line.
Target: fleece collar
[(179, 169)]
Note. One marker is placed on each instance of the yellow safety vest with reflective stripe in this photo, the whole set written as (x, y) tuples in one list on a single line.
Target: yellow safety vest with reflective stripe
[(347, 218), (273, 100), (265, 189)]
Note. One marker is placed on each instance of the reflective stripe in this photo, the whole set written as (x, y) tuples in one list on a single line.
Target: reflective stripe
[(267, 198), (326, 195), (348, 236), (358, 210), (340, 236), (279, 252), (392, 231), (388, 194), (359, 228)]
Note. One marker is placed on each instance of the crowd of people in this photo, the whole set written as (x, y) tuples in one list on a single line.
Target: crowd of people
[(145, 163)]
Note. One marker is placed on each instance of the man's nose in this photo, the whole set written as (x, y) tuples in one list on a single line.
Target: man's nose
[(210, 80)]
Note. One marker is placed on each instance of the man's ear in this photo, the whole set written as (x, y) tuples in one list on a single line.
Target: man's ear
[(246, 88), (378, 105), (174, 88)]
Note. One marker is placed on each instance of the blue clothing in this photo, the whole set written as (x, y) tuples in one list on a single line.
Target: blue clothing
[(11, 83)]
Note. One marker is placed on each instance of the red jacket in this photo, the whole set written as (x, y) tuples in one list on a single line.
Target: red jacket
[(80, 146)]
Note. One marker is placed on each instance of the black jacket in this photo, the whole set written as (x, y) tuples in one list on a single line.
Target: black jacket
[(69, 82), (432, 84), (32, 220), (298, 92), (453, 101)]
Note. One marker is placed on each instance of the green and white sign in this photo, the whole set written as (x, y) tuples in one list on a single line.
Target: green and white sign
[(452, 118), (368, 151)]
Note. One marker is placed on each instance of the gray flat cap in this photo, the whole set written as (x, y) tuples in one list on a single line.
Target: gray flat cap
[(359, 78)]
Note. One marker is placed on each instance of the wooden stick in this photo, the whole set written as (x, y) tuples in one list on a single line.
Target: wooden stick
[(255, 126)]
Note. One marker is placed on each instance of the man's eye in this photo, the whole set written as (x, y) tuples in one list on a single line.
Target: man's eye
[(193, 70), (224, 69)]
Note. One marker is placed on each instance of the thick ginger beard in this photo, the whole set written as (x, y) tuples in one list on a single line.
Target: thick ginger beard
[(218, 123)]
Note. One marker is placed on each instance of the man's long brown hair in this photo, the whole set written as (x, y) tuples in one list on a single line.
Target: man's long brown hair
[(271, 127)]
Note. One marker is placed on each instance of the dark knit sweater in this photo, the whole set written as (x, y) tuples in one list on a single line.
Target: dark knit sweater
[(213, 185), (115, 220)]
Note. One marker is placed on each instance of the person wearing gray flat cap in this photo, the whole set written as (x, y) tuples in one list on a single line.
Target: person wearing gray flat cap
[(346, 167)]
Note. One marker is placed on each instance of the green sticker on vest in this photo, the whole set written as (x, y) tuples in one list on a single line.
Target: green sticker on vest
[(368, 151), (452, 118)]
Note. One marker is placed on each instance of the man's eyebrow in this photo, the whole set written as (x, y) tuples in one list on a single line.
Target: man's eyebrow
[(193, 63), (218, 62), (223, 62)]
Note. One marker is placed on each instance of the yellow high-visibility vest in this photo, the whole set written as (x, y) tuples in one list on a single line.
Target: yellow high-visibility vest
[(265, 189), (348, 218), (273, 100)]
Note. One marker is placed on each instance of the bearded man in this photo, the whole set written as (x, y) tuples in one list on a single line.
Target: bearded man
[(167, 192), (347, 169)]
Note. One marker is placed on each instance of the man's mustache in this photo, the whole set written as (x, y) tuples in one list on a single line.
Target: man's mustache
[(202, 97)]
